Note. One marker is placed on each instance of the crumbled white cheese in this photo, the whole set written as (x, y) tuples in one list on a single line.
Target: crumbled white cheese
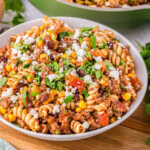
[(87, 79), (39, 73), (25, 57), (98, 66), (56, 109), (18, 39), (34, 113), (51, 77), (74, 72), (128, 87), (64, 45), (84, 45), (128, 63), (73, 89), (29, 40), (47, 90), (25, 37), (52, 27), (64, 104), (80, 55), (7, 93), (85, 125), (2, 65), (46, 50), (75, 46), (114, 73), (69, 51), (34, 63), (97, 59), (77, 34), (61, 69), (107, 4), (15, 51), (14, 98)]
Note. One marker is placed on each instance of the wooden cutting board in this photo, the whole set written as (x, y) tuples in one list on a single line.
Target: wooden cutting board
[(2, 8), (130, 135)]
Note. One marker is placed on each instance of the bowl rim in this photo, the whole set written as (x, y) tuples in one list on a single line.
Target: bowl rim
[(72, 137), (133, 8)]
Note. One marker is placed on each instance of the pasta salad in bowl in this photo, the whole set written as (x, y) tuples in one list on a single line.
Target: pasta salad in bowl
[(58, 81)]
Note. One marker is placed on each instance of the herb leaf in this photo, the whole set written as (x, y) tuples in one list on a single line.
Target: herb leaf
[(24, 96), (85, 93), (93, 41), (4, 79), (98, 74), (148, 141), (35, 93), (68, 99)]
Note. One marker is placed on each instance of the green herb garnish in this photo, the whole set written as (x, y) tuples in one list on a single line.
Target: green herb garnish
[(93, 41), (24, 96), (3, 81), (85, 93), (68, 99), (35, 93)]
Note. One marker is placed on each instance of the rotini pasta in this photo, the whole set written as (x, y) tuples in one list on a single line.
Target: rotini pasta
[(59, 80)]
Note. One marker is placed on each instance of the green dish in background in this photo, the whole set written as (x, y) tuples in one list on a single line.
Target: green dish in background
[(109, 16)]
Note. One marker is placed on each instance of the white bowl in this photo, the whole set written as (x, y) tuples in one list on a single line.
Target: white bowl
[(77, 23)]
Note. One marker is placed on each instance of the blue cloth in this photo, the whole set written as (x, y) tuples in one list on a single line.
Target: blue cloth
[(5, 145)]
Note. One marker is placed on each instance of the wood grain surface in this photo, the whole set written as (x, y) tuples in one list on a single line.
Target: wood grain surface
[(130, 135)]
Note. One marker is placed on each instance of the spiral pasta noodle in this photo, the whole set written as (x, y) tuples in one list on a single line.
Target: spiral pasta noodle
[(45, 110), (28, 118), (77, 127)]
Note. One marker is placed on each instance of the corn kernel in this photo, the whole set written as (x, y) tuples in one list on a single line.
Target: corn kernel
[(126, 96), (81, 97), (28, 61), (6, 116), (113, 119), (61, 94), (82, 104), (42, 27), (3, 110), (65, 56), (78, 109), (29, 79), (8, 68), (130, 75), (34, 89), (43, 56), (24, 88), (104, 82), (73, 54), (40, 43), (72, 61), (11, 118)]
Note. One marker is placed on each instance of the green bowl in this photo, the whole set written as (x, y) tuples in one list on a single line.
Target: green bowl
[(103, 15)]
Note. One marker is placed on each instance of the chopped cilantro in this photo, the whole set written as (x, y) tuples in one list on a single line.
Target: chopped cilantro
[(86, 29), (98, 74), (3, 81), (93, 41), (63, 35), (123, 62), (12, 44), (35, 93), (85, 93), (68, 99), (24, 96), (108, 65)]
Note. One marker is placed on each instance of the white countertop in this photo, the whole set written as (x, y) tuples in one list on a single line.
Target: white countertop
[(140, 31)]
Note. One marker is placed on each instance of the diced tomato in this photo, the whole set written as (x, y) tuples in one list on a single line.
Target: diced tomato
[(103, 119), (76, 82), (134, 81)]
